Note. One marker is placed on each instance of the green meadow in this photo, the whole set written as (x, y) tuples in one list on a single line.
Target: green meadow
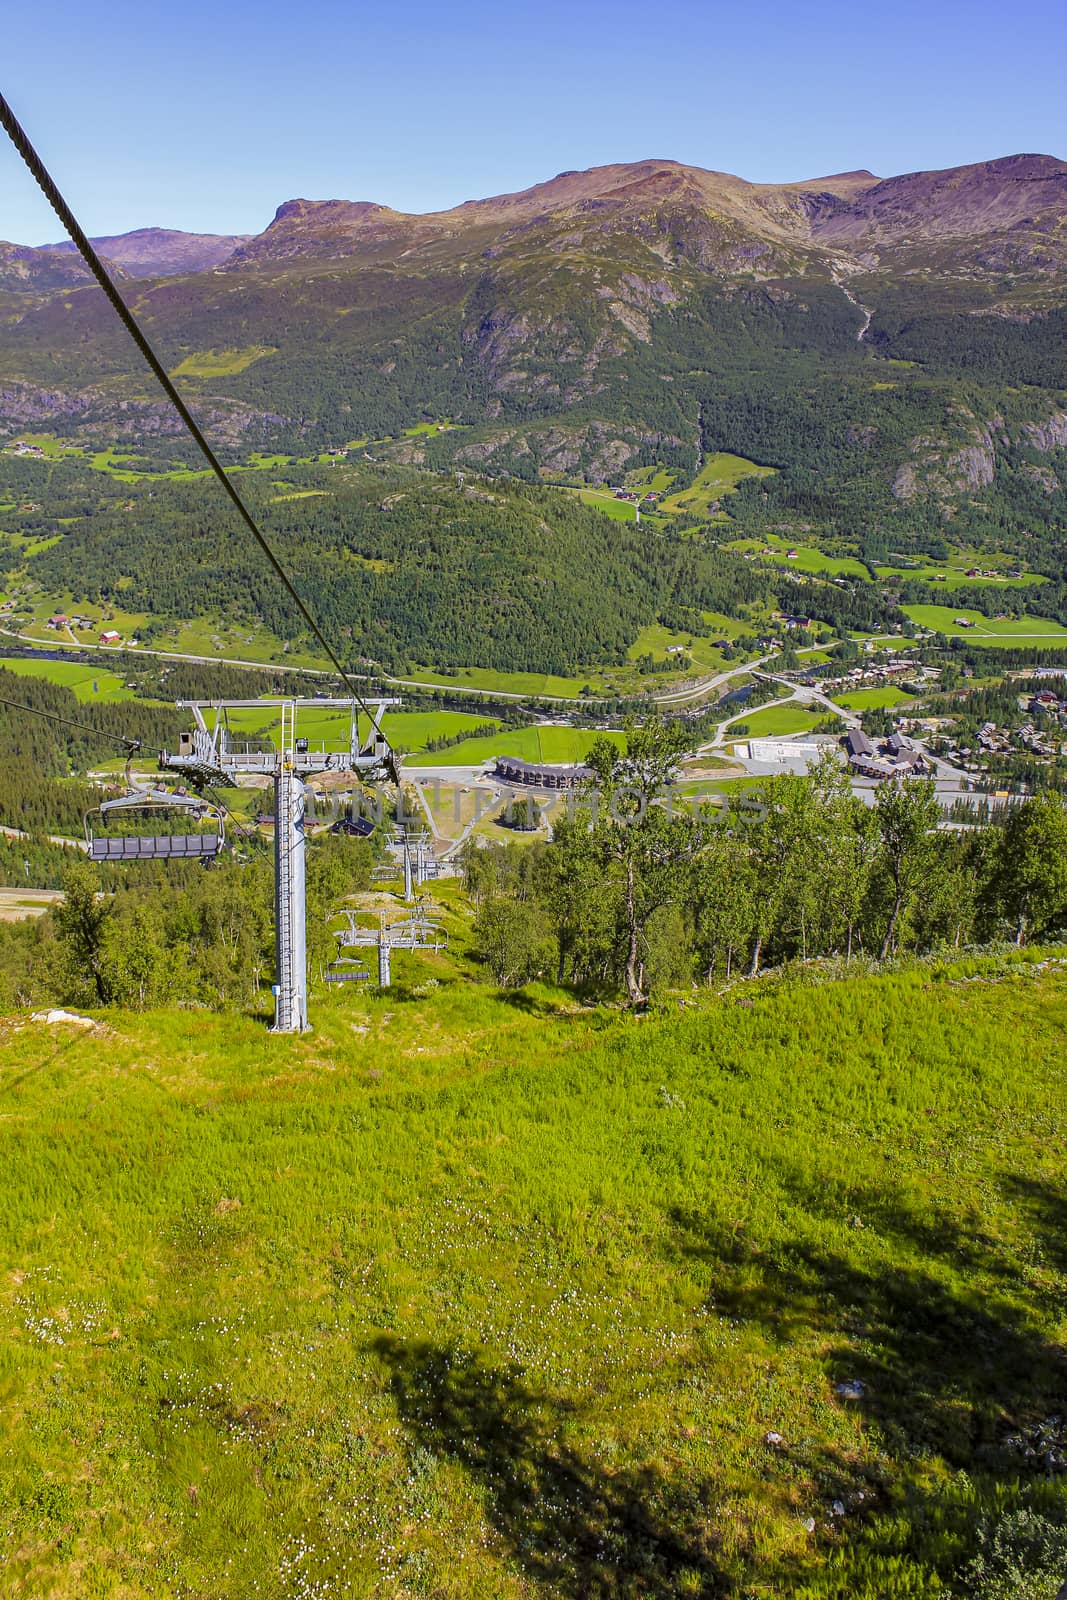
[(408, 730), (658, 479), (411, 731), (619, 510), (719, 475), (221, 363), (516, 683), (953, 578), (429, 429), (874, 699), (768, 721), (88, 683), (655, 640), (808, 558), (557, 745), (1006, 632), (497, 1296)]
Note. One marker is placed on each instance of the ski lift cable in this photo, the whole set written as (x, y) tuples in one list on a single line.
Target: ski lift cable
[(131, 745), (250, 837), (20, 139)]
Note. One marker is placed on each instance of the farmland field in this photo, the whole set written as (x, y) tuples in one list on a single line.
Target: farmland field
[(658, 479), (521, 683), (412, 729), (221, 363), (71, 675), (620, 510), (720, 475), (409, 730), (1012, 630), (807, 559), (655, 639), (953, 578), (454, 1296), (429, 430), (560, 746)]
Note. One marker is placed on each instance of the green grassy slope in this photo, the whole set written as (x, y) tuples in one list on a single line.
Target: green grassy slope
[(480, 1295), (1029, 630), (88, 682)]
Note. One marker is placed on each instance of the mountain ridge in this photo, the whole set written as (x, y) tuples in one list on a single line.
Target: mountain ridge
[(856, 206), (161, 252), (853, 210)]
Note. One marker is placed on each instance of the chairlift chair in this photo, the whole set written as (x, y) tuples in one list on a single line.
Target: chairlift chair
[(144, 800), (346, 969)]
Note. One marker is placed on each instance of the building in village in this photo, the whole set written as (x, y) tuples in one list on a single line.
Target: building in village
[(896, 757), (535, 775)]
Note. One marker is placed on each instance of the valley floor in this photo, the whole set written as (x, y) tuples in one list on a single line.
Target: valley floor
[(480, 1294)]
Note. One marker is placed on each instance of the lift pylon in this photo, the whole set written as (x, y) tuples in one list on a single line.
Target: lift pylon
[(416, 931), (211, 755)]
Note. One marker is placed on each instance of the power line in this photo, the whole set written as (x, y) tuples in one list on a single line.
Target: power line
[(20, 139)]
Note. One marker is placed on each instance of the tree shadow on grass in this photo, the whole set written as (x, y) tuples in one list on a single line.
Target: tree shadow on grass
[(519, 1000), (1045, 1208), (588, 1533), (937, 1329)]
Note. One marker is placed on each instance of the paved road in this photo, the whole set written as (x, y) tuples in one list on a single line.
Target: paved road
[(686, 694), (174, 655), (53, 838)]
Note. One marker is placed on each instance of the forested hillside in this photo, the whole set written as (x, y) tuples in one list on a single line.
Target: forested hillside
[(402, 565)]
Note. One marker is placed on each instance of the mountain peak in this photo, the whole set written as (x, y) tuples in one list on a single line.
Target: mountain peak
[(162, 252), (837, 182), (340, 210), (851, 209), (955, 202)]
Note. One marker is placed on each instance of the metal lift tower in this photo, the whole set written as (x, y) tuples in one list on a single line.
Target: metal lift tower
[(212, 756)]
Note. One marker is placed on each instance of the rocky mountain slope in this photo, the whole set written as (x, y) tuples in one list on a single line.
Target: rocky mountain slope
[(24, 269)]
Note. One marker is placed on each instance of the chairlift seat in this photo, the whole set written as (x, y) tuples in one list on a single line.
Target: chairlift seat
[(140, 803), (353, 974), (156, 847)]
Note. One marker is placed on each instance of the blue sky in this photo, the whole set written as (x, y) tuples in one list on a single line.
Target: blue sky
[(207, 116)]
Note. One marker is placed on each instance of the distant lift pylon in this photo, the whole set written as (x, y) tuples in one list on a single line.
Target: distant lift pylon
[(210, 755)]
